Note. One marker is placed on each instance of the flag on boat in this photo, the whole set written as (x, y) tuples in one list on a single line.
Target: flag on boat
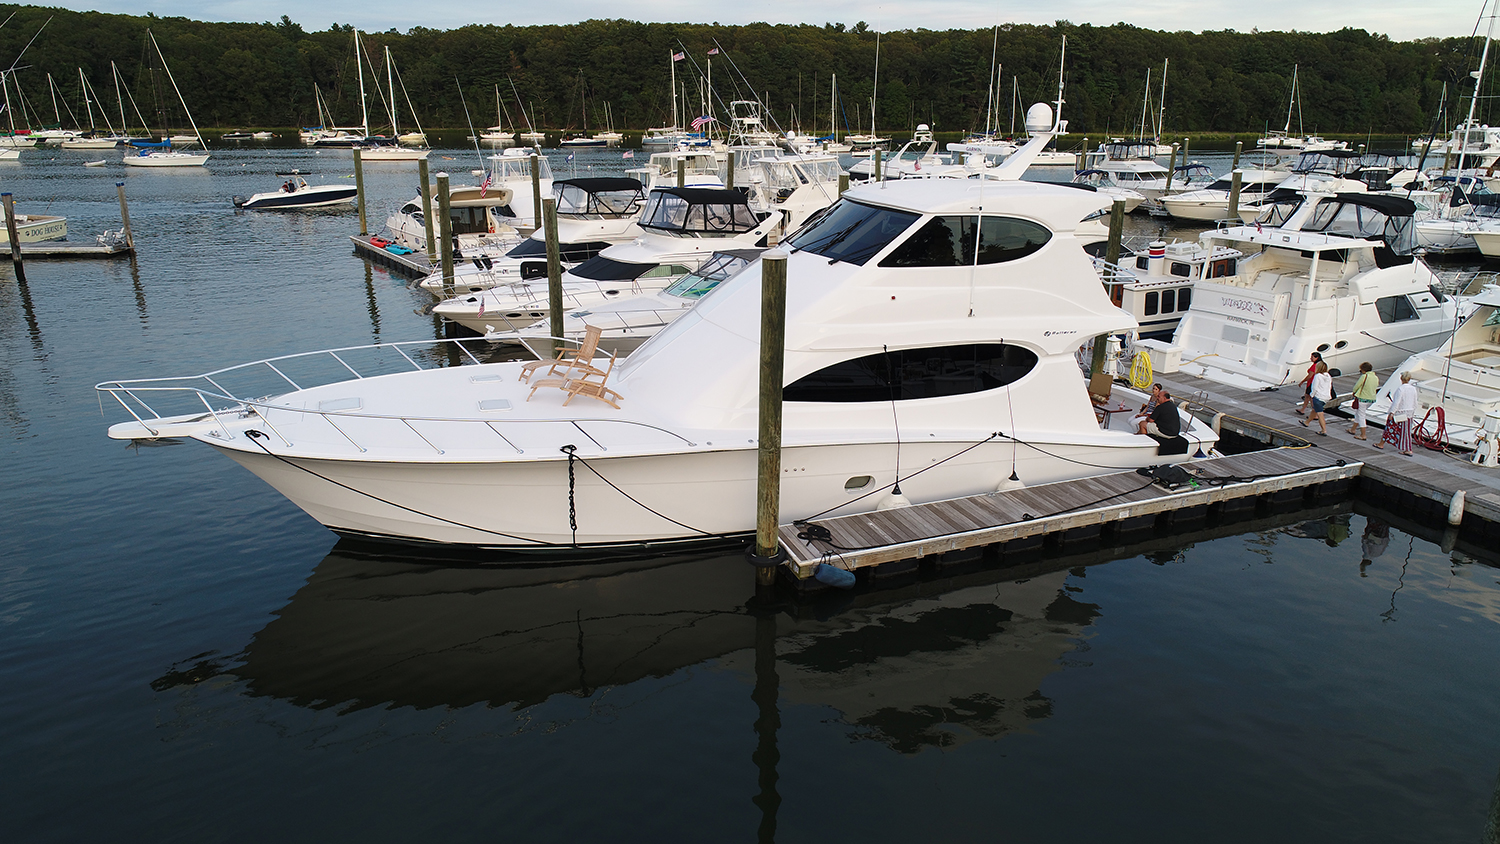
[(484, 186), (918, 164), (570, 156), (714, 51), (700, 122), (629, 153), (677, 57)]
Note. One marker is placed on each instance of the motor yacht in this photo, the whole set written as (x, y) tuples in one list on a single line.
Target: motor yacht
[(1211, 202), (1331, 273), (910, 360), (592, 214), (488, 218), (1104, 183), (297, 193), (918, 153), (1132, 165), (1461, 376), (679, 229), (1156, 285)]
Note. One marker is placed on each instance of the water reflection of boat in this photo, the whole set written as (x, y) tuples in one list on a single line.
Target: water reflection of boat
[(965, 660)]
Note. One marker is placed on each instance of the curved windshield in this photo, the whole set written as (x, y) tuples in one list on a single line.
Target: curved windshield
[(600, 268), (570, 253), (577, 201), (719, 268), (672, 212), (853, 232)]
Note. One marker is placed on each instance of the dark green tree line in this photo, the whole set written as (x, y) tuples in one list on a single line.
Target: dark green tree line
[(244, 74)]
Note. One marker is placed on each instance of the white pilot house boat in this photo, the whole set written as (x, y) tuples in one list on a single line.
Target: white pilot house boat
[(931, 328)]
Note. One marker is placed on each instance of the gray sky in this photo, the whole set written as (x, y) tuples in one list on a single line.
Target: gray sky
[(1402, 20)]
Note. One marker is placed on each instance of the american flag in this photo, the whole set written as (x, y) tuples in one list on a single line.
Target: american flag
[(484, 187), (700, 122), (629, 153), (714, 51), (677, 57)]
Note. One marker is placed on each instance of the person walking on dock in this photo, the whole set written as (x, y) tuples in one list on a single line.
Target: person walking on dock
[(1321, 393), (1364, 393), (1312, 370), (1403, 412)]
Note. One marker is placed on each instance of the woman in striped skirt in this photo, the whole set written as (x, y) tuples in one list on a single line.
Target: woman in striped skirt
[(1403, 412)]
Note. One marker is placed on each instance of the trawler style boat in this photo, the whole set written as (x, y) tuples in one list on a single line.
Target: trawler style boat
[(931, 333), (1331, 273)]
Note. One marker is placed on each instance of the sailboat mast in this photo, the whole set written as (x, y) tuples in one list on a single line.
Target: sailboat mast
[(52, 88), (170, 78), (83, 85), (364, 116), (989, 100), (124, 127), (5, 83), (833, 101), (875, 90), (1161, 115), (390, 84), (1062, 62), (1145, 103), (672, 63), (1478, 77), (1291, 103)]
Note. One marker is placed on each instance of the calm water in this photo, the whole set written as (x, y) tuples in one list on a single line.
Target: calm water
[(185, 656)]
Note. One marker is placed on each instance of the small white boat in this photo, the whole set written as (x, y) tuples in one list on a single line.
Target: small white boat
[(1211, 202), (95, 163), (162, 154), (297, 193), (36, 228), (392, 153)]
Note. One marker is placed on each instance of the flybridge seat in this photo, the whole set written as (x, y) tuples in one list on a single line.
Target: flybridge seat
[(698, 211), (599, 197)]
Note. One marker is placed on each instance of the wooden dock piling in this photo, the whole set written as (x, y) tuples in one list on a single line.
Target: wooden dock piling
[(772, 375), (359, 191), (15, 236), (427, 210), (554, 275), (445, 228), (124, 215)]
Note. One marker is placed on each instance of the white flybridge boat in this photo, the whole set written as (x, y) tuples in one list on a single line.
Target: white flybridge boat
[(1211, 202), (680, 228), (487, 218), (592, 215), (1331, 273), (1462, 376), (908, 360), (162, 154)]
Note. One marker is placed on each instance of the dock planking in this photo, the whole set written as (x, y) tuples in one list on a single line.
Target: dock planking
[(63, 249), (885, 536), (414, 264), (1268, 416)]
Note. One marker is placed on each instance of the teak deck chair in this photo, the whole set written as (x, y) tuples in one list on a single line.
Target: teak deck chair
[(584, 385), (583, 356)]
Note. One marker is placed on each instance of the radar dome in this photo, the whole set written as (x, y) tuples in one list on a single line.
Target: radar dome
[(1039, 118)]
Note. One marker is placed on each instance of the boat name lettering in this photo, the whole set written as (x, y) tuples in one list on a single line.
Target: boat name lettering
[(1249, 307), (1057, 333)]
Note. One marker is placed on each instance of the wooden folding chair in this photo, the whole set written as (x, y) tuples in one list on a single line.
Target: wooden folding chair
[(587, 381), (582, 356)]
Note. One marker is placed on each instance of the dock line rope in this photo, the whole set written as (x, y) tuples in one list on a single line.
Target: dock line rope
[(572, 456), (256, 436)]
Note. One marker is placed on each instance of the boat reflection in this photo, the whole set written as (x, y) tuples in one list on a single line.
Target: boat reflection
[(936, 661)]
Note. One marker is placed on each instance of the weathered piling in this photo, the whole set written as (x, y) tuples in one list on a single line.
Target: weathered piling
[(124, 215), (445, 229), (359, 191), (682, 172), (1234, 194), (772, 369), (427, 210), (554, 274), (15, 237)]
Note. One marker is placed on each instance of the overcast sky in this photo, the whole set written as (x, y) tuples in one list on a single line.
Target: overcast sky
[(1402, 20)]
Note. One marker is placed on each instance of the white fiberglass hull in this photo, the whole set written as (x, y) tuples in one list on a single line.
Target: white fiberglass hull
[(91, 143), (393, 154), (167, 159), (1487, 241), (711, 492)]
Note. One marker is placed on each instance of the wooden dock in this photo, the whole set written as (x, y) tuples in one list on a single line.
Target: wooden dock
[(1124, 502), (1428, 476), (414, 264), (63, 249)]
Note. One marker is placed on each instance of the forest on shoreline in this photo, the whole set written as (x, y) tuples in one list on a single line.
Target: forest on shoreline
[(264, 74)]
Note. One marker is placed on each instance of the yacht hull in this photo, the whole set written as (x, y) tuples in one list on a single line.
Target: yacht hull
[(698, 496)]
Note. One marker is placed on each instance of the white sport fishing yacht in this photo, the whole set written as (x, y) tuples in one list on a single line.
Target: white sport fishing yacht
[(1461, 376), (1331, 273), (931, 328)]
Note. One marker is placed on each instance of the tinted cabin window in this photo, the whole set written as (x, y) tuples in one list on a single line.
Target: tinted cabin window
[(1394, 309), (1004, 239), (1168, 301), (916, 374), (1184, 298), (1179, 268), (852, 232), (943, 242), (1151, 305)]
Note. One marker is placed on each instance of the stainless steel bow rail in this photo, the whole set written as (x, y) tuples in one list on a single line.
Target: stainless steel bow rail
[(220, 403)]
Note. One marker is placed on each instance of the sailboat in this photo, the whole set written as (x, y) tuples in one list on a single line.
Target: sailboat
[(496, 135), (92, 139), (872, 140), (162, 154), (392, 153), (582, 139), (1055, 157), (1284, 143)]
